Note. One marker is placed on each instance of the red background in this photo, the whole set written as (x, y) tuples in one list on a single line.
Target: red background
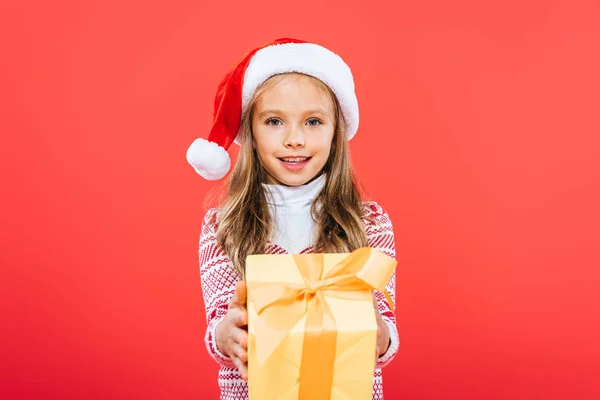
[(479, 135)]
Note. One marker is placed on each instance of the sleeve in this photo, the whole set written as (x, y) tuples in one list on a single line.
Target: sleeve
[(380, 235), (218, 279)]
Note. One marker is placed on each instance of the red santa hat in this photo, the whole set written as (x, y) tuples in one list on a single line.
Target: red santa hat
[(209, 157)]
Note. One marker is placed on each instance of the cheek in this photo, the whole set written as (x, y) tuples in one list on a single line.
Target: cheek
[(260, 142), (266, 147), (323, 145)]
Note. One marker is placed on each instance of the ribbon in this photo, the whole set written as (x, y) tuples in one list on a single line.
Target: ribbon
[(281, 305)]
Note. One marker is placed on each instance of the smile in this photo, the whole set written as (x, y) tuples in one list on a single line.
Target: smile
[(294, 159), (295, 164)]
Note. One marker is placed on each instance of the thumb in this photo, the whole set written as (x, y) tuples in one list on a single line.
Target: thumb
[(240, 293)]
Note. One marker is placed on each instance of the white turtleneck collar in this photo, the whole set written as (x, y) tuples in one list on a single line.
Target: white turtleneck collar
[(286, 196), (290, 210)]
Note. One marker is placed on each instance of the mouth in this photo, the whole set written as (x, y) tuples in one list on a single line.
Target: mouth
[(294, 164), (294, 160)]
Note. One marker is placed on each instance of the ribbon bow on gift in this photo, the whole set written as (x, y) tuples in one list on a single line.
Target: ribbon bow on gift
[(281, 305)]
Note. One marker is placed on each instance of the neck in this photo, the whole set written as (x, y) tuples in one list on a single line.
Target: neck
[(281, 195), (290, 208)]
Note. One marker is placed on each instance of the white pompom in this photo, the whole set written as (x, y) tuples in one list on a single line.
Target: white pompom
[(210, 160)]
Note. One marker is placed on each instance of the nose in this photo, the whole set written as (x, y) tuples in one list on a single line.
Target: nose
[(294, 138)]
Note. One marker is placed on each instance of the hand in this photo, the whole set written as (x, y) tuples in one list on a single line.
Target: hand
[(231, 333), (383, 332)]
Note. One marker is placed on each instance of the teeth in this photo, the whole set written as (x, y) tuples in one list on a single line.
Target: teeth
[(297, 159)]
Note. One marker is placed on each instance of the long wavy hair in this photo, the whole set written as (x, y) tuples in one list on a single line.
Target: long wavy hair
[(245, 225)]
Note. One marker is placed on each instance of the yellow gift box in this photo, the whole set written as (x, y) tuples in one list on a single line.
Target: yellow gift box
[(312, 325)]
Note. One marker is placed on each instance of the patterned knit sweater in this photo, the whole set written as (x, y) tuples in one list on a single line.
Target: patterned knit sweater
[(218, 279)]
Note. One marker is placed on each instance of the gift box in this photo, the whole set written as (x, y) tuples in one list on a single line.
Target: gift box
[(312, 325)]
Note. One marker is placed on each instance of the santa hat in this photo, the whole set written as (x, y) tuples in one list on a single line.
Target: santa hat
[(209, 157)]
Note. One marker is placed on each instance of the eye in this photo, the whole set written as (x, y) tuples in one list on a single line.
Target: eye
[(314, 122), (273, 121)]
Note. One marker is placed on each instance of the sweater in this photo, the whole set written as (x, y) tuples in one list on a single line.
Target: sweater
[(218, 279)]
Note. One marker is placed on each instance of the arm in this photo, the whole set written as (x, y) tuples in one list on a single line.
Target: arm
[(218, 279), (380, 236)]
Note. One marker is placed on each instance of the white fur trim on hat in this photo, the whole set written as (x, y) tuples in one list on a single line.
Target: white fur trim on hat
[(210, 160), (309, 59)]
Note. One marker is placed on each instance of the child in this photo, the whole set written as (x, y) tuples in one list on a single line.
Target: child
[(291, 106)]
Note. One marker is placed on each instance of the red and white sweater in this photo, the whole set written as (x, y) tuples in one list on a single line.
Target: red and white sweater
[(218, 279)]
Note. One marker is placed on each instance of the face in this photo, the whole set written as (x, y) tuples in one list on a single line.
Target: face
[(293, 125)]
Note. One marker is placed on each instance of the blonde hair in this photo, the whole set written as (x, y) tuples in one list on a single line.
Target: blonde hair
[(245, 225)]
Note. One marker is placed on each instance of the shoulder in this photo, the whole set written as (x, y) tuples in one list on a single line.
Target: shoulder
[(210, 221), (378, 228), (374, 215)]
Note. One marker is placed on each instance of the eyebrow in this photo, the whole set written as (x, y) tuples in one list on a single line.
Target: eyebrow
[(313, 111)]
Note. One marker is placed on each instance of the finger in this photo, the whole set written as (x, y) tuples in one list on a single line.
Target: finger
[(238, 344), (240, 291), (242, 368), (241, 353), (242, 338), (239, 317), (243, 317)]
